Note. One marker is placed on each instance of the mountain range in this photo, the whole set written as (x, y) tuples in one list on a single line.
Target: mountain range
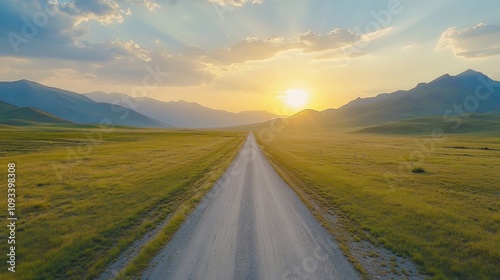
[(183, 114), (71, 106), (468, 92), (440, 100)]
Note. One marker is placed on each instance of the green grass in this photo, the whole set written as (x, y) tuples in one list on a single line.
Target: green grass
[(447, 219), (83, 196)]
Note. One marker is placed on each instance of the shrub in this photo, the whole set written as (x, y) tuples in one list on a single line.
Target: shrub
[(418, 170)]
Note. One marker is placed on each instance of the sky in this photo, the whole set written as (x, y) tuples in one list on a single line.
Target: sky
[(240, 55)]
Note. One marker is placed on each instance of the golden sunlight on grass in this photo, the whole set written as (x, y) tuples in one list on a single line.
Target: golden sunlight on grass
[(127, 184), (441, 218)]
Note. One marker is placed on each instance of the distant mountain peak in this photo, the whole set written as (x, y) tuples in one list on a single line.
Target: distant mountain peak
[(24, 81), (420, 85), (28, 83), (464, 75), (441, 78), (470, 72), (188, 103), (101, 92)]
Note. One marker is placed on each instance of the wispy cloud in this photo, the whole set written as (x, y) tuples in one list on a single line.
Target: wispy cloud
[(335, 39), (236, 3), (479, 41), (327, 46), (251, 49)]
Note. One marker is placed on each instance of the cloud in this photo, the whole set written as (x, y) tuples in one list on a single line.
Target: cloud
[(133, 64), (197, 66), (338, 43), (126, 61), (479, 41), (368, 37), (57, 38), (35, 29), (61, 37), (236, 3), (43, 29), (411, 46), (251, 49), (334, 39), (150, 4), (342, 53), (103, 11)]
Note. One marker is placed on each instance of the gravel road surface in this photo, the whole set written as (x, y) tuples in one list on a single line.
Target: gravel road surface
[(251, 225)]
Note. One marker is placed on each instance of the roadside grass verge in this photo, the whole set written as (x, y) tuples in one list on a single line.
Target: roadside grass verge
[(447, 220), (112, 193), (216, 167)]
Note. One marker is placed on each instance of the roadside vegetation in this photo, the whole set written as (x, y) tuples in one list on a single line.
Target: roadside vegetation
[(440, 206), (85, 196)]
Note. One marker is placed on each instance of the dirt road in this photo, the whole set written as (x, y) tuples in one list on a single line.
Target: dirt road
[(251, 226)]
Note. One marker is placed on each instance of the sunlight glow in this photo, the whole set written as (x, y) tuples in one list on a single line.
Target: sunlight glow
[(296, 98)]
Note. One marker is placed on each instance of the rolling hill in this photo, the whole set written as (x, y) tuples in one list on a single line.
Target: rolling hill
[(71, 106), (13, 115), (185, 114), (474, 123)]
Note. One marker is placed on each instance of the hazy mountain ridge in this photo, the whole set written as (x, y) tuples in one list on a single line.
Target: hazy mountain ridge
[(446, 95), (184, 114), (13, 115), (435, 98), (71, 106)]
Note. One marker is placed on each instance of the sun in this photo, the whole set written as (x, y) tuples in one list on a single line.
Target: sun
[(296, 98)]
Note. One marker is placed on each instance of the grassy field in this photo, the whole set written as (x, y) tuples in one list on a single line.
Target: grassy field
[(83, 195), (446, 218)]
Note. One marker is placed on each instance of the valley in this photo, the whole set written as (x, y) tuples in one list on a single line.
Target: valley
[(403, 190)]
